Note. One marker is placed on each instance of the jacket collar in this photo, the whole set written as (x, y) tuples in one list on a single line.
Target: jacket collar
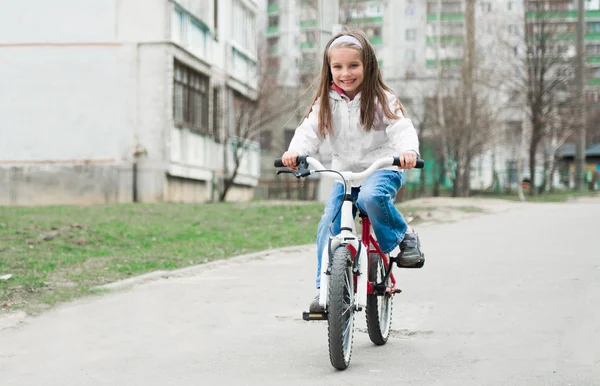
[(338, 94)]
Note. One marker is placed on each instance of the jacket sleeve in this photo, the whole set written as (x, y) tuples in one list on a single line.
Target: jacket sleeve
[(306, 139), (401, 131)]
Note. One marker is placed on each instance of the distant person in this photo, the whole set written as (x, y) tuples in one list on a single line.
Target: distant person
[(365, 121)]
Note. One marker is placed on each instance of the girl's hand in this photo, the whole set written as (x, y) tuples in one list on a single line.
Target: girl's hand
[(408, 159), (289, 159)]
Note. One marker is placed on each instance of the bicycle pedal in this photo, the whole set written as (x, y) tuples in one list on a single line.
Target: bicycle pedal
[(314, 316), (397, 290)]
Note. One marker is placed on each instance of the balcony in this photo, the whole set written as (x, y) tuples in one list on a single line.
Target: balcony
[(272, 30), (307, 45), (431, 63), (368, 20), (273, 8), (593, 82), (592, 59), (446, 40), (308, 23), (376, 40), (459, 16), (589, 37), (572, 15)]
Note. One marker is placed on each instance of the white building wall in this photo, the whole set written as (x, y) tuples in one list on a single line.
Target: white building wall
[(89, 82)]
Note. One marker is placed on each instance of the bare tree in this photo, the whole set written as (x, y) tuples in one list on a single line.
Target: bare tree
[(548, 76), (250, 117), (462, 111)]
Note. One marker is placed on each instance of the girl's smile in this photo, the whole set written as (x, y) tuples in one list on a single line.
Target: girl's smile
[(347, 70)]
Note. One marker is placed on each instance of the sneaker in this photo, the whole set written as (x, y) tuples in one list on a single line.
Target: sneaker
[(315, 307), (411, 255)]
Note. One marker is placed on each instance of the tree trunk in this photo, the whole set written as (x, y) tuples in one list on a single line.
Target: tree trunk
[(520, 161), (532, 154)]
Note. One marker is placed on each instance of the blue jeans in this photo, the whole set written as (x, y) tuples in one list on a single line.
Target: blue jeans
[(376, 198)]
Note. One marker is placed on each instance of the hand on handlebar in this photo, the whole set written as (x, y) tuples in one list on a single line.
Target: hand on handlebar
[(289, 159), (408, 159)]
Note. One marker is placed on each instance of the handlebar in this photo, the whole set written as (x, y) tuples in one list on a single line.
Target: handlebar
[(304, 161), (279, 163)]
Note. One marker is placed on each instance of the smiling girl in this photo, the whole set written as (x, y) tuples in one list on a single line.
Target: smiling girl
[(365, 121)]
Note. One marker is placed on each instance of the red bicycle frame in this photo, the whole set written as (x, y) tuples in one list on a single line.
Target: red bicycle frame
[(372, 246)]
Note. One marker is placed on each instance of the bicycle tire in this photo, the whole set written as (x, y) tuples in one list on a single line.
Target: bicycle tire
[(341, 309), (379, 307)]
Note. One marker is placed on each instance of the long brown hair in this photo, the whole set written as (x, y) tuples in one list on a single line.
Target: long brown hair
[(372, 88)]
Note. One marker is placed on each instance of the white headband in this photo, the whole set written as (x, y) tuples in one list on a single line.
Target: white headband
[(345, 39)]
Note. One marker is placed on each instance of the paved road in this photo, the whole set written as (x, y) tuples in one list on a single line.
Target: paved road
[(505, 299)]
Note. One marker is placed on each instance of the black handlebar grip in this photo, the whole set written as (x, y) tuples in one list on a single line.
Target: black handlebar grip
[(278, 163), (420, 162)]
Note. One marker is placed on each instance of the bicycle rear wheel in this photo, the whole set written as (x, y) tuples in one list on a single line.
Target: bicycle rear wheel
[(379, 307), (341, 309)]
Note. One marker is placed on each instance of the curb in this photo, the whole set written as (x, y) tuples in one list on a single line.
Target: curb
[(14, 319), (156, 275)]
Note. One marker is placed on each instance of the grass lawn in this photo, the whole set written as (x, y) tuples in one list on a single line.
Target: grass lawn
[(57, 253)]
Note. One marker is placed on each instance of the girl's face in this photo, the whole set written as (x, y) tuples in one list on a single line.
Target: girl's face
[(347, 69)]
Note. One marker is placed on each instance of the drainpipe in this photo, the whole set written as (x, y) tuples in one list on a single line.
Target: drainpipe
[(138, 149), (137, 153)]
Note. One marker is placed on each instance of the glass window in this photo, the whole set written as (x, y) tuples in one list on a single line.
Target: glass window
[(190, 98), (177, 26), (593, 27), (411, 34)]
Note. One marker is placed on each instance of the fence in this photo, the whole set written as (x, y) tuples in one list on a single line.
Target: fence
[(287, 187)]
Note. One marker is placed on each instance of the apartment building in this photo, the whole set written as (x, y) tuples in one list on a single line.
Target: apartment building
[(124, 100), (422, 43)]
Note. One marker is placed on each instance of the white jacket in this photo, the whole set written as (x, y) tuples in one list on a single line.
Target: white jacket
[(353, 148)]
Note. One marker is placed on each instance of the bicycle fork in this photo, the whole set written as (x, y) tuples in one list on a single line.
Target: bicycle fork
[(347, 237)]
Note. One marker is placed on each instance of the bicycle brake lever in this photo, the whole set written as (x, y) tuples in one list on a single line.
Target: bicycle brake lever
[(303, 173), (297, 174), (286, 171)]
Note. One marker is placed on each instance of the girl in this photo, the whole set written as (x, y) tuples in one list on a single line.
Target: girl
[(364, 121)]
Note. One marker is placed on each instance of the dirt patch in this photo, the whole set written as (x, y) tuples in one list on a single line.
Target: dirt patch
[(446, 209)]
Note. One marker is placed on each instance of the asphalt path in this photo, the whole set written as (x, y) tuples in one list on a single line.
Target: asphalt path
[(509, 298)]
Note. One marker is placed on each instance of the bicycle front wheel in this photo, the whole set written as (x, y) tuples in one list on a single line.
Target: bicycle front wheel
[(379, 307), (341, 309)]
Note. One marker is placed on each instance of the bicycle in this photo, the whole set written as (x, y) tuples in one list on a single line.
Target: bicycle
[(356, 274)]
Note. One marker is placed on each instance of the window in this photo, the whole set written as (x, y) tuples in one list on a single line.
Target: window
[(410, 56), (513, 29), (289, 134), (190, 98), (190, 33), (177, 26), (244, 27), (486, 6), (243, 111), (593, 27), (243, 67), (564, 72), (510, 5), (265, 139), (410, 10), (593, 50), (411, 34), (273, 21)]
